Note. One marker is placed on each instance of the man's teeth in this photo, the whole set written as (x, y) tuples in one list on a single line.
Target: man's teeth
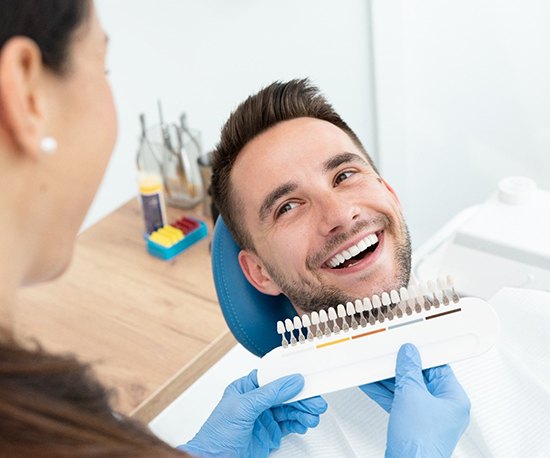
[(354, 250)]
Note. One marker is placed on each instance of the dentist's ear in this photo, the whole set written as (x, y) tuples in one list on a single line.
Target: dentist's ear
[(22, 99), (254, 271)]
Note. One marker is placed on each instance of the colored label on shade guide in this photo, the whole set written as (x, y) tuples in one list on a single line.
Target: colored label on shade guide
[(365, 334), (443, 314), (400, 325), (334, 342)]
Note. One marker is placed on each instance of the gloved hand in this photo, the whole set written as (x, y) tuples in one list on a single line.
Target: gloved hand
[(250, 422), (429, 411), (381, 392)]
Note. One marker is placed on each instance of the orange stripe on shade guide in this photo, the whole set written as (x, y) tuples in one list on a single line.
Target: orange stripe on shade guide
[(332, 343), (368, 333)]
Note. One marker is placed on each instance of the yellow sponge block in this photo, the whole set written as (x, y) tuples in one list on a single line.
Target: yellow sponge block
[(167, 236)]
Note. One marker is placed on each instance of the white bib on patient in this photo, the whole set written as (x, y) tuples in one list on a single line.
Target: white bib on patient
[(509, 388)]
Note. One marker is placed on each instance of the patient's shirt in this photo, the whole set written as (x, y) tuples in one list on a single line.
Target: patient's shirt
[(509, 388)]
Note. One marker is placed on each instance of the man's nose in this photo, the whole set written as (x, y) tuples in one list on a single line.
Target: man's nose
[(336, 214)]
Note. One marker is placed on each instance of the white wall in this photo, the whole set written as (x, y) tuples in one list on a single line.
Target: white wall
[(463, 99), (206, 56)]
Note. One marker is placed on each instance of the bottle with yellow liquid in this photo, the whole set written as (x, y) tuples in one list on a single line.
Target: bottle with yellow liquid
[(152, 201)]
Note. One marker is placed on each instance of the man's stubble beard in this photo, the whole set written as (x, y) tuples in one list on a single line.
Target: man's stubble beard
[(310, 297)]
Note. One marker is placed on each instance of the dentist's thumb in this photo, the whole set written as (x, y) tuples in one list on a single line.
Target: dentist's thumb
[(276, 392), (408, 371)]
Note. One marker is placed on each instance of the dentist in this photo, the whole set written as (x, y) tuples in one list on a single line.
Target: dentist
[(57, 132)]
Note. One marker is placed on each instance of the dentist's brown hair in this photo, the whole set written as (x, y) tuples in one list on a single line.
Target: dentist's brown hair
[(51, 405)]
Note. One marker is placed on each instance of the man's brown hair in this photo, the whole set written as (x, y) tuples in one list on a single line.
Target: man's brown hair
[(278, 102)]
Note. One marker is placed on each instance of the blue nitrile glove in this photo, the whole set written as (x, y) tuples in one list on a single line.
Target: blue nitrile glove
[(381, 392), (250, 421), (429, 412)]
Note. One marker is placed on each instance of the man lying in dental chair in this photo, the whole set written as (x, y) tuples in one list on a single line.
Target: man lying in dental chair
[(316, 224)]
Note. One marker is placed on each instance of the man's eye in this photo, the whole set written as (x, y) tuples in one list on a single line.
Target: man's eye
[(343, 176), (286, 207)]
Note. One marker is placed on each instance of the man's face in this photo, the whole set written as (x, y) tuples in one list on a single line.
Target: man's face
[(309, 199)]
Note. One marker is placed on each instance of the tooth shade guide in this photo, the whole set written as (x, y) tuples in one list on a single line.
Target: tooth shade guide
[(367, 355), (373, 313)]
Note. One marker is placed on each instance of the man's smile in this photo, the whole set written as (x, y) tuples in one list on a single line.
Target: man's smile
[(348, 256), (356, 255)]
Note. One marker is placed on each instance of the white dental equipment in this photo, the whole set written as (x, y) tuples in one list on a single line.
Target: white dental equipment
[(363, 347), (504, 242)]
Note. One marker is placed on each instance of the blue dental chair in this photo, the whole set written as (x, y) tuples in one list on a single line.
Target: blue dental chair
[(251, 316)]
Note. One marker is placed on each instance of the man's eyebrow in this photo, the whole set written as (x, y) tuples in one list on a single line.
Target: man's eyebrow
[(339, 159), (274, 196)]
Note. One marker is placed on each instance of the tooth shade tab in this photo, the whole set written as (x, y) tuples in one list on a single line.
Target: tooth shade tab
[(450, 282), (289, 326), (332, 314), (367, 303), (323, 317), (298, 326), (386, 299), (431, 286), (441, 285), (421, 292), (342, 310), (376, 303), (350, 309), (359, 308), (394, 295), (306, 321), (297, 323), (280, 327), (404, 293), (315, 318)]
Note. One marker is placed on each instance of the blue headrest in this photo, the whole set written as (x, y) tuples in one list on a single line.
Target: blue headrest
[(252, 316)]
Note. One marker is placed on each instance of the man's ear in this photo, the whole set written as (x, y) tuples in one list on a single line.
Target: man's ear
[(254, 271), (390, 189), (21, 110)]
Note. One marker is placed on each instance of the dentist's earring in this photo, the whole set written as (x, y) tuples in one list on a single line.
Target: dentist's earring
[(48, 145)]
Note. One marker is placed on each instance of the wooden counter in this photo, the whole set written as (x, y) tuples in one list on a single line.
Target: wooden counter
[(150, 327)]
